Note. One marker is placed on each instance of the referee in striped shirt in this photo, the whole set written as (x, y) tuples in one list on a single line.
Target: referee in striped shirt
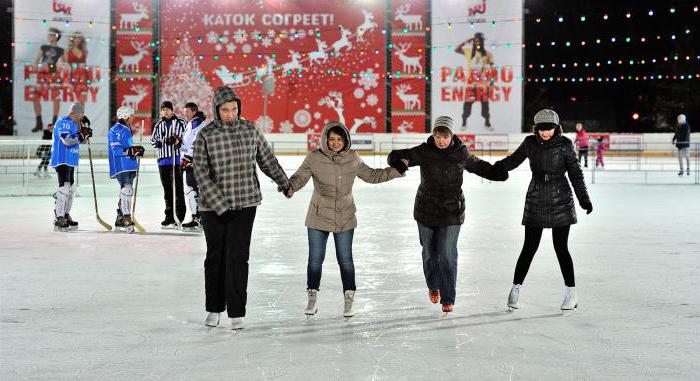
[(167, 139)]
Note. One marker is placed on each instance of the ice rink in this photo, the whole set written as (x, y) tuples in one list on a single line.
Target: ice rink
[(93, 304)]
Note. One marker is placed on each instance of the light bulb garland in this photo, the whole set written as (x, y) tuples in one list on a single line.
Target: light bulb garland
[(631, 15), (619, 61)]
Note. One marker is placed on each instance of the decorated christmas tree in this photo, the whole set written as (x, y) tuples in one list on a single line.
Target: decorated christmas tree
[(185, 81)]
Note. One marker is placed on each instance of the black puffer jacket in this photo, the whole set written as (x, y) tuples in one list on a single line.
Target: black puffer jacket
[(549, 202), (682, 136), (439, 200)]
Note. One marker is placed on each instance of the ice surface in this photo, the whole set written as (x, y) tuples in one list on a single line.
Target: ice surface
[(99, 305)]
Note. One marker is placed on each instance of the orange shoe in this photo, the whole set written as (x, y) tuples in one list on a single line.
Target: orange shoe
[(434, 296), (447, 308)]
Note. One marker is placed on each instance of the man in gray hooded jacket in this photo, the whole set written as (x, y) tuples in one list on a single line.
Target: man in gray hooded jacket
[(225, 155)]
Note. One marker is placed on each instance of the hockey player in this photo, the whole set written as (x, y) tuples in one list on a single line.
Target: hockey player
[(195, 119), (123, 165), (167, 139), (69, 131)]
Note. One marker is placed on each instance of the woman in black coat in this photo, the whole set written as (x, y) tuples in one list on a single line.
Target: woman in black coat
[(439, 206), (549, 202)]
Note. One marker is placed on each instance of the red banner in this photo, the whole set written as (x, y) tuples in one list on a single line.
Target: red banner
[(327, 60)]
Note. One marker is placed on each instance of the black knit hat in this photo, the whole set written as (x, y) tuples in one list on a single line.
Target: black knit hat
[(167, 104)]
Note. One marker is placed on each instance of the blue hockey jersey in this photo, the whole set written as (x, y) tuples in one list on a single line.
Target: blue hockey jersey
[(118, 140), (66, 146)]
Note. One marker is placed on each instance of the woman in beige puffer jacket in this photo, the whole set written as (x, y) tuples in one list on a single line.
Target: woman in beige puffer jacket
[(333, 168)]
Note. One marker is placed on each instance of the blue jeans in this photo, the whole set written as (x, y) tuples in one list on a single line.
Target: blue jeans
[(317, 253), (126, 178), (440, 259)]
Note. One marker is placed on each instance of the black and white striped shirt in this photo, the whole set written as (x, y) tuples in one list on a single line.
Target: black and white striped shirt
[(162, 131)]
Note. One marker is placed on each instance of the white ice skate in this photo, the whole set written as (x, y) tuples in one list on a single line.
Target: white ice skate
[(237, 323), (514, 297), (212, 319), (311, 308), (349, 299), (570, 301)]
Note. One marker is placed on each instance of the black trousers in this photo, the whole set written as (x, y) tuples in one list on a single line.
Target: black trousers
[(66, 174), (166, 179), (560, 238), (583, 152), (226, 263)]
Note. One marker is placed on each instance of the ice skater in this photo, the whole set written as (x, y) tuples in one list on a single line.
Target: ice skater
[(69, 132), (600, 153), (167, 139), (123, 164), (681, 138), (548, 202), (194, 119), (439, 206), (582, 144), (43, 152), (333, 168), (226, 152)]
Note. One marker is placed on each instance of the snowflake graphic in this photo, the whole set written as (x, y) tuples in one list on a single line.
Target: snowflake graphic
[(317, 115), (301, 33), (368, 79), (271, 33), (302, 118), (218, 47), (277, 40), (286, 127), (212, 38), (230, 47), (240, 36), (358, 93), (246, 48), (372, 100), (264, 123), (266, 42), (255, 34)]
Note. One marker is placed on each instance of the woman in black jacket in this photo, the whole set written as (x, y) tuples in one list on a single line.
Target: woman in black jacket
[(549, 202), (439, 206)]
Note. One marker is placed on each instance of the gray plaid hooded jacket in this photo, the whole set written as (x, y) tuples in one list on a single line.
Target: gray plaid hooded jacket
[(224, 161)]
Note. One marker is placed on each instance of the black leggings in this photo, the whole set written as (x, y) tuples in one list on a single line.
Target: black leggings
[(560, 237)]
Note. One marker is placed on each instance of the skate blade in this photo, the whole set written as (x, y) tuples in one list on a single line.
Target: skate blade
[(130, 230), (168, 227), (62, 230)]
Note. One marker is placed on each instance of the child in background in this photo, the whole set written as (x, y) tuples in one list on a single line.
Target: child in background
[(599, 152)]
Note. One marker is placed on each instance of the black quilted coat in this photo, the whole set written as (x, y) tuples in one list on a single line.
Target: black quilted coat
[(439, 200), (549, 202)]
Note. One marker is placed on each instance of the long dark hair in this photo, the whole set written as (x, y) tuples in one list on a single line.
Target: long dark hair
[(338, 131), (478, 44)]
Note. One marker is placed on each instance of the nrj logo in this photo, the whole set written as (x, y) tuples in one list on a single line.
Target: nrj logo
[(61, 7), (477, 9)]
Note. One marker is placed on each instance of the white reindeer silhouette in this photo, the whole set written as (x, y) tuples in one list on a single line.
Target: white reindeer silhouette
[(366, 25), (294, 64), (131, 63), (230, 79), (334, 100), (266, 69), (412, 22), (405, 126), (409, 63), (344, 42), (410, 101), (133, 100), (319, 54), (131, 20), (359, 122)]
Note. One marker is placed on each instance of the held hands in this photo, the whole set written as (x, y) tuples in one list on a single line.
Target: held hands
[(400, 165), (288, 192), (186, 162)]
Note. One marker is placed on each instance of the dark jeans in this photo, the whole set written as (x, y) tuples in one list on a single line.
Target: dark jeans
[(65, 174), (317, 253), (226, 264), (583, 152), (166, 179), (440, 259), (560, 237)]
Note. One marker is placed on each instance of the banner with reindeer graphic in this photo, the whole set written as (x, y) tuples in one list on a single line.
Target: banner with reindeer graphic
[(62, 56), (133, 59), (477, 64), (327, 60)]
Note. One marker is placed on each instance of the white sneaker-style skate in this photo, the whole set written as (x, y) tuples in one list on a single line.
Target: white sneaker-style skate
[(212, 319), (514, 297), (311, 308), (349, 299), (237, 323), (570, 301)]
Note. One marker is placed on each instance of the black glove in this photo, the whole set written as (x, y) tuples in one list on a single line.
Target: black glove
[(398, 164), (186, 162), (502, 172), (588, 207), (85, 122), (85, 133), (174, 140), (134, 151), (158, 144)]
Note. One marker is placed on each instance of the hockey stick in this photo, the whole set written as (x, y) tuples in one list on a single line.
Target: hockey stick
[(138, 226), (94, 190), (175, 217)]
